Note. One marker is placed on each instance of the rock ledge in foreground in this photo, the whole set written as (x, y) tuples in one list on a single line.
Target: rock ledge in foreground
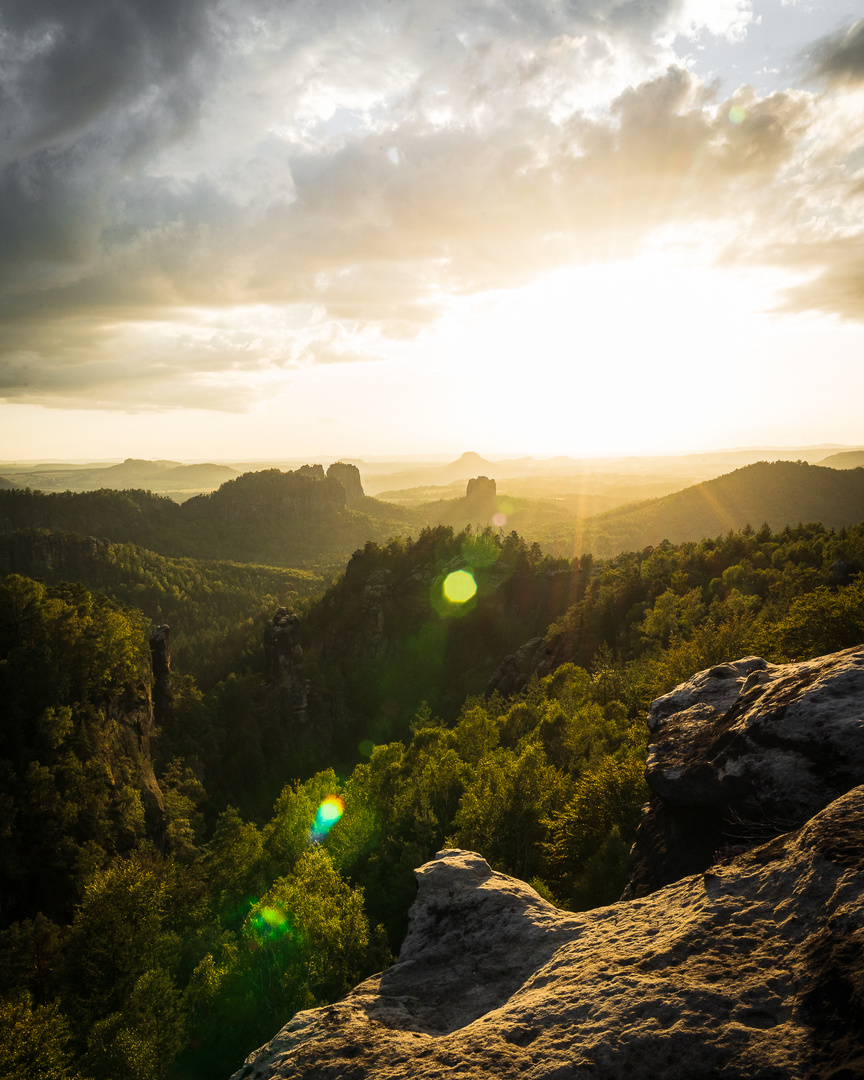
[(754, 969)]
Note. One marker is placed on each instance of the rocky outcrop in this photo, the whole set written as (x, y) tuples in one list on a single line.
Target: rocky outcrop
[(349, 477), (131, 716), (315, 471), (742, 752), (160, 664), (754, 970), (538, 657), (515, 670), (266, 498), (751, 967), (481, 489), (283, 662)]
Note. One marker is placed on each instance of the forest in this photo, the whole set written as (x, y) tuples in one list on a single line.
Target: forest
[(182, 870)]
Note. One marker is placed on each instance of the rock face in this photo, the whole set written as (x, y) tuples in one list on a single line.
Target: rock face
[(349, 477), (283, 662), (480, 489), (752, 967), (36, 553), (315, 471), (745, 751), (131, 715), (514, 671), (160, 663)]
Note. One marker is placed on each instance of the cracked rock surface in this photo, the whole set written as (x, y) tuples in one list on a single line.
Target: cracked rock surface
[(754, 969), (742, 752)]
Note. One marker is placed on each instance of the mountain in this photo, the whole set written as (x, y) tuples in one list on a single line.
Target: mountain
[(133, 473), (780, 493), (850, 459), (282, 519)]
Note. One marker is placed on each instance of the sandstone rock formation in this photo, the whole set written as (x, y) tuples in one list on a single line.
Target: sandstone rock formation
[(480, 489), (349, 477), (538, 657), (515, 670), (754, 970), (315, 471), (283, 662), (130, 714), (35, 553), (753, 967), (745, 751), (160, 663)]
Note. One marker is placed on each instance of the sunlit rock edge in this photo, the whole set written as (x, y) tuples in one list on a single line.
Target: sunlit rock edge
[(751, 967)]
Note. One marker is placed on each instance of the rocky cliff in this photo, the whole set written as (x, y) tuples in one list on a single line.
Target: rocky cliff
[(349, 477), (283, 664), (481, 489), (753, 966)]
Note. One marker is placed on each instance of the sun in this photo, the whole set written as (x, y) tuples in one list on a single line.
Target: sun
[(615, 357)]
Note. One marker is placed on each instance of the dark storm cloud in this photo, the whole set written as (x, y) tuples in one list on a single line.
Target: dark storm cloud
[(840, 58), (88, 89), (68, 63)]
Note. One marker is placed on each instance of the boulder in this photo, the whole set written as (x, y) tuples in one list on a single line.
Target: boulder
[(753, 969), (742, 752)]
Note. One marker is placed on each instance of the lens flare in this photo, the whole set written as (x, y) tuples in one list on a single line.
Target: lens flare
[(269, 922), (499, 520), (459, 586), (366, 747), (736, 114), (328, 814)]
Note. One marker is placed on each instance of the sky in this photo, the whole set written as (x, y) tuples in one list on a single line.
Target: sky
[(239, 229)]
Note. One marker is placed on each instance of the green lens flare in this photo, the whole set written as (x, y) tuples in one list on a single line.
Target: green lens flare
[(736, 114), (269, 923), (459, 587)]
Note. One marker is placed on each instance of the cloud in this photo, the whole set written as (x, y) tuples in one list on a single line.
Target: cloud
[(839, 59), (182, 185), (834, 281), (68, 64)]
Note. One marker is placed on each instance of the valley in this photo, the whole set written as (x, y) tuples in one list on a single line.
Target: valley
[(187, 685)]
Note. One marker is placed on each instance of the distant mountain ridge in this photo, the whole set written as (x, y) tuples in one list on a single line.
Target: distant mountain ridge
[(282, 519), (133, 473), (683, 468), (780, 493), (849, 459)]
